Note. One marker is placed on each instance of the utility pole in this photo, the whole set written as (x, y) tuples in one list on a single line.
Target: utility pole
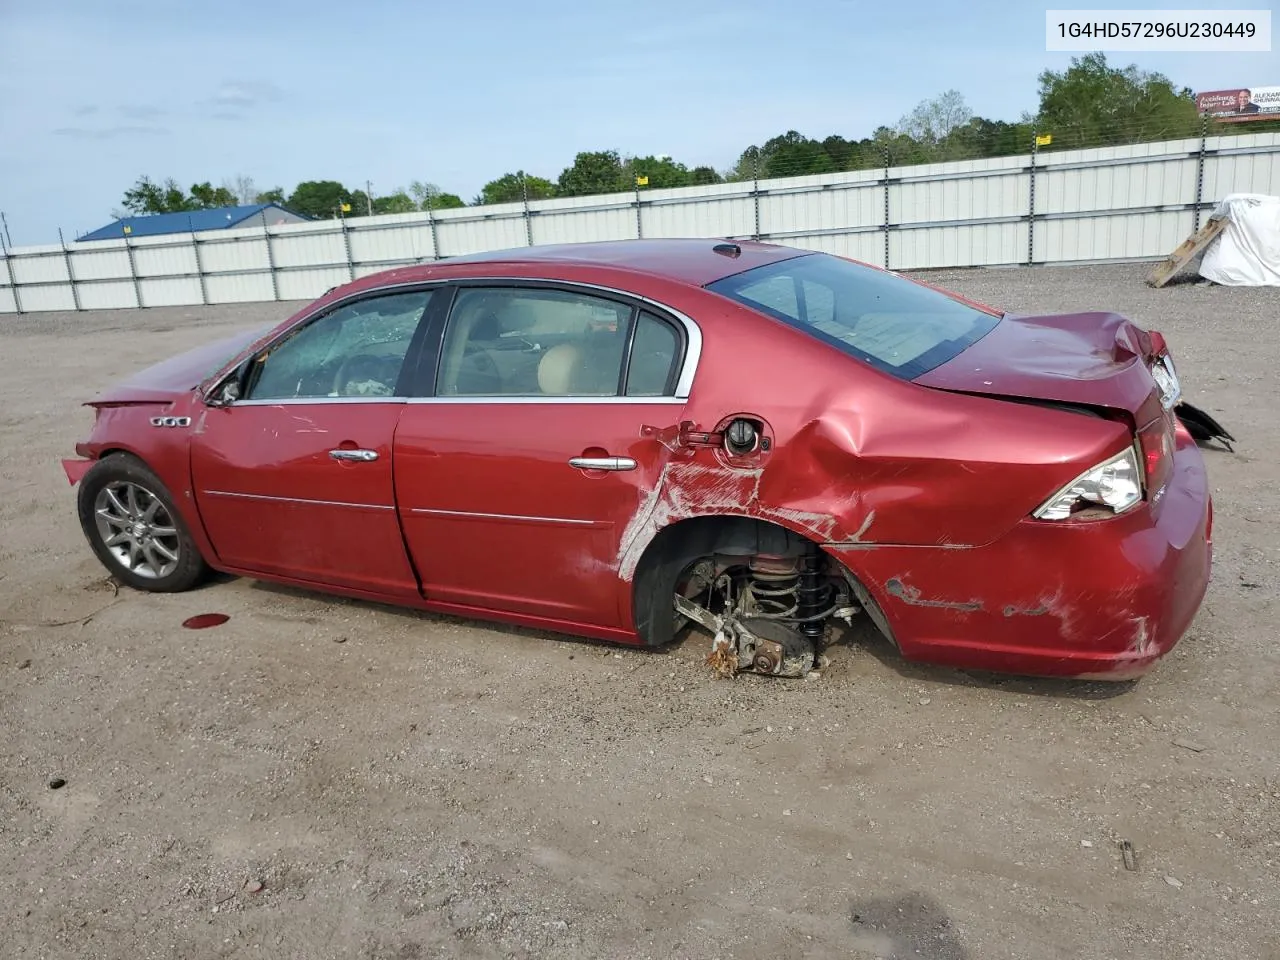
[(368, 195)]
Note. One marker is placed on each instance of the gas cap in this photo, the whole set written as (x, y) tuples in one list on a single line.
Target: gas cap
[(741, 437)]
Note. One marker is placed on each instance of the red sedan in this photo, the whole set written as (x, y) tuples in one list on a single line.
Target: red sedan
[(614, 440)]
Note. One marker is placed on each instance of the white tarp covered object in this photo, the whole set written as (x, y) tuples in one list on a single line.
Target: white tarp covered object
[(1247, 252)]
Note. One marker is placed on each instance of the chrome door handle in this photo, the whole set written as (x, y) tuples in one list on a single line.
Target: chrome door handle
[(362, 456), (603, 463)]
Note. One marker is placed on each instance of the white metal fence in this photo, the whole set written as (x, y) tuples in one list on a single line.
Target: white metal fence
[(1114, 203)]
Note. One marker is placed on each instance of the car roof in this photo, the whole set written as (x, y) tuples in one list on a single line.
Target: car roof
[(693, 261)]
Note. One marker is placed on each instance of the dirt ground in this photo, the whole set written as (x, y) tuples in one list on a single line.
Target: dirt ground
[(406, 786)]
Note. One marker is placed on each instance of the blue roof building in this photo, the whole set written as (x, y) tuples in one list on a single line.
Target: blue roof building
[(188, 221)]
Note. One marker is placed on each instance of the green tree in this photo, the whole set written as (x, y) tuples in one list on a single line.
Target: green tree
[(987, 138), (205, 196), (319, 199), (593, 172), (146, 197), (361, 205), (794, 155), (702, 176), (508, 188), (663, 172), (274, 195), (751, 164), (1093, 104), (932, 121), (395, 202), (422, 192)]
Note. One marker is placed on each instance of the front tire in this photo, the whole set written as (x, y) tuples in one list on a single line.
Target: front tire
[(130, 521)]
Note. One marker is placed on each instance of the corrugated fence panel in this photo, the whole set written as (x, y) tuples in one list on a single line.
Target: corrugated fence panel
[(239, 288), (110, 295), (1098, 204), (234, 256), (1242, 173), (311, 249), (989, 244), (793, 214), (392, 244), (44, 268), (170, 291), (166, 260), (309, 284), (57, 297), (458, 236), (716, 217), (1144, 235), (1115, 187), (108, 263)]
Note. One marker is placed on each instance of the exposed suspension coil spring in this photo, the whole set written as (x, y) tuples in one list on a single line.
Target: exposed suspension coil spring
[(792, 590), (775, 585)]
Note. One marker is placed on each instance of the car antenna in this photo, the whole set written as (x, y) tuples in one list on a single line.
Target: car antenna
[(728, 250)]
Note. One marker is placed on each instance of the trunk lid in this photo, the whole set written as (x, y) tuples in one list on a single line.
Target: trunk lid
[(1092, 359)]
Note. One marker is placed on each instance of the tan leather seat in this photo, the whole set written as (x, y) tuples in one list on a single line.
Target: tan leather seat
[(559, 369)]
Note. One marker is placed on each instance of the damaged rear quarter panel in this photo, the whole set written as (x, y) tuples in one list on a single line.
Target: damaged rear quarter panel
[(859, 457)]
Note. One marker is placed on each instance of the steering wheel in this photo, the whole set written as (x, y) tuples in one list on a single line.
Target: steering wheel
[(349, 365)]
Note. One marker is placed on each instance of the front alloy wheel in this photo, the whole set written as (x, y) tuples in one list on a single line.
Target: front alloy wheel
[(135, 527), (130, 521)]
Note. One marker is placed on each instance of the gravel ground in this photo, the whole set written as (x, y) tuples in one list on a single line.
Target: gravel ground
[(320, 778)]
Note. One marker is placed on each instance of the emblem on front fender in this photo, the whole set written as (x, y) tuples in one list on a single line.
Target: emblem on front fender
[(171, 421)]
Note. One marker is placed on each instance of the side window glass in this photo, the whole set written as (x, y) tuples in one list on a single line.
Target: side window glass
[(355, 351), (530, 342), (653, 358)]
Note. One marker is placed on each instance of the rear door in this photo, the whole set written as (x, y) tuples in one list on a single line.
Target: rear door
[(517, 478), (295, 478)]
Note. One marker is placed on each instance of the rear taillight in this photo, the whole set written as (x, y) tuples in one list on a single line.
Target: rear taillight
[(1156, 443)]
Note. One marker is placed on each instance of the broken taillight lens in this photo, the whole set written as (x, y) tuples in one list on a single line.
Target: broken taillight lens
[(1165, 375)]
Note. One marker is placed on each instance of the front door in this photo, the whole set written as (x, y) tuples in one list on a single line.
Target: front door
[(517, 480), (295, 478)]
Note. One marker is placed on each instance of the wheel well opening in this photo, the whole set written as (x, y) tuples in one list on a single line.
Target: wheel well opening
[(676, 547)]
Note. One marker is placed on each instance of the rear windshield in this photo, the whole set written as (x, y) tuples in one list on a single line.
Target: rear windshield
[(901, 327)]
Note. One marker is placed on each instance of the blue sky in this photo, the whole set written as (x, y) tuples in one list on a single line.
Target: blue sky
[(93, 94)]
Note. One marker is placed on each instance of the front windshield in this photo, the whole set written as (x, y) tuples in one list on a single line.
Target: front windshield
[(901, 327)]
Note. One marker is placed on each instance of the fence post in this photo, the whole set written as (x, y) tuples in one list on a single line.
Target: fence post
[(1204, 136), (528, 219), (1031, 203), (71, 277), (195, 247), (13, 283), (886, 208), (271, 257), (755, 192), (639, 224), (346, 245), (431, 221), (133, 273)]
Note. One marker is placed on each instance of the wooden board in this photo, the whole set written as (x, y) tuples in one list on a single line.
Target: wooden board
[(1189, 247)]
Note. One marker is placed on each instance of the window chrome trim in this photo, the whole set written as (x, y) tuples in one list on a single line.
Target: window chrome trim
[(473, 515), (497, 398), (310, 503), (684, 383), (298, 401)]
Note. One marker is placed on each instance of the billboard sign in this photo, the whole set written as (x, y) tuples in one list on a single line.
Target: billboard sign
[(1245, 103)]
